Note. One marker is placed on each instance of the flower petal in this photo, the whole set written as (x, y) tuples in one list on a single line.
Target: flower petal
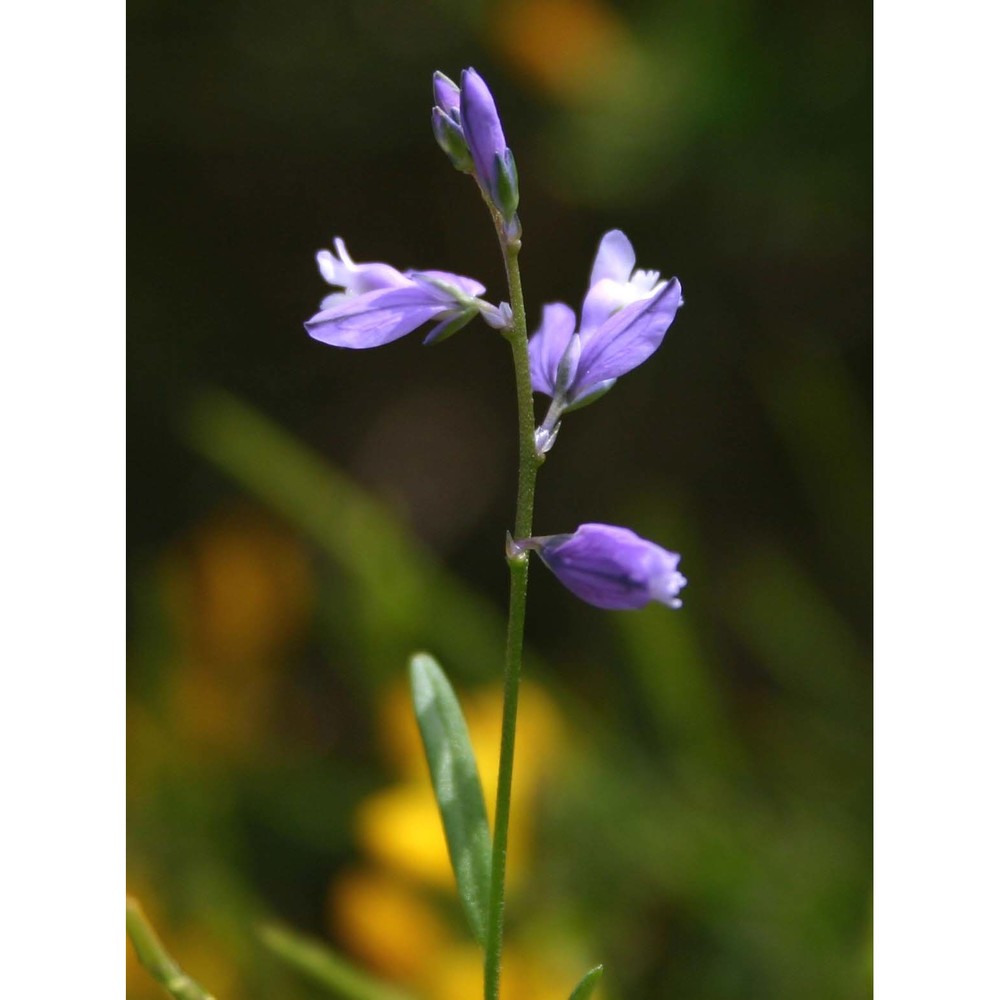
[(627, 339), (375, 277), (615, 258), (548, 345), (333, 299), (375, 318), (356, 279), (602, 301), (446, 94), (467, 286), (332, 270)]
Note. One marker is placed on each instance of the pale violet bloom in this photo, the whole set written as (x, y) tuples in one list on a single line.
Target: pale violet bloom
[(610, 567), (377, 304), (625, 316)]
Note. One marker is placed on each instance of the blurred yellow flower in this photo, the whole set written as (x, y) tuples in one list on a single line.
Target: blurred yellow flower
[(385, 924), (400, 827), (238, 591), (240, 588), (456, 973), (573, 49)]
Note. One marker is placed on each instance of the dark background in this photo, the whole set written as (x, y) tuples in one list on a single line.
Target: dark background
[(302, 518)]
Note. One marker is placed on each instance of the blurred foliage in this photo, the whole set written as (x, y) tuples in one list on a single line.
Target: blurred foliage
[(694, 787)]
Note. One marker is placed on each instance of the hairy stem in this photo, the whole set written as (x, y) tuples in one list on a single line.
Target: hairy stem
[(527, 469)]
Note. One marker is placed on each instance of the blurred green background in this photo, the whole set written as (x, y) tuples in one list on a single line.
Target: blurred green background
[(694, 787)]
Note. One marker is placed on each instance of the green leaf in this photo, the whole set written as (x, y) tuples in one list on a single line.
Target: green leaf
[(155, 958), (456, 786), (325, 967), (585, 988)]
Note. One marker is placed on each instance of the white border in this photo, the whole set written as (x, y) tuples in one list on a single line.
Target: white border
[(62, 696), (937, 506), (937, 502)]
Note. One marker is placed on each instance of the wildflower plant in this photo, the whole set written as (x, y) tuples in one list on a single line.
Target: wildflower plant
[(623, 319)]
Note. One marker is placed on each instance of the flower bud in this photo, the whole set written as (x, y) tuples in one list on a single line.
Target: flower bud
[(545, 438), (446, 95), (451, 139), (611, 567), (494, 162)]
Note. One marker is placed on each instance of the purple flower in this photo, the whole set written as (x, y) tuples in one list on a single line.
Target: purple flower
[(379, 304), (610, 567), (625, 315)]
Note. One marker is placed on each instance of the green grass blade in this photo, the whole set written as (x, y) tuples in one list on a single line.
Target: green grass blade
[(399, 582), (456, 784), (155, 958), (585, 988), (325, 967)]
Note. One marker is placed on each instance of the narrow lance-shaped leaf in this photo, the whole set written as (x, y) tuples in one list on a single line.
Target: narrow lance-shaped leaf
[(585, 988), (457, 787), (321, 964)]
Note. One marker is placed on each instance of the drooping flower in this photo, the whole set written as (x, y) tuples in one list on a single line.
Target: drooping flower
[(610, 567), (378, 304), (625, 316), (467, 127)]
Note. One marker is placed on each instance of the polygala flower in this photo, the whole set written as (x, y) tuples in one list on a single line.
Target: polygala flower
[(610, 567), (378, 304), (467, 127), (625, 316)]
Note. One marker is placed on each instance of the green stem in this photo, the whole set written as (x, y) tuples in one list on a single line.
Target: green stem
[(155, 958), (527, 469)]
